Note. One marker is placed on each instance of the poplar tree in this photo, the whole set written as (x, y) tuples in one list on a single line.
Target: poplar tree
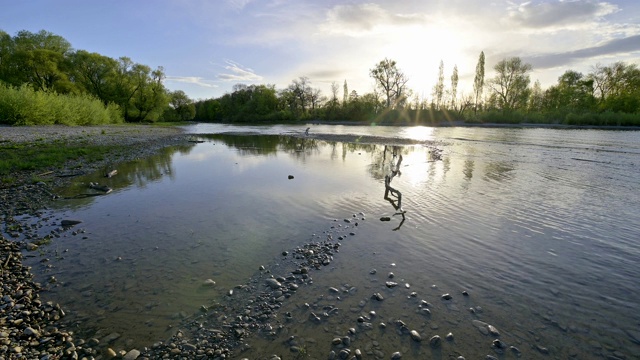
[(478, 82)]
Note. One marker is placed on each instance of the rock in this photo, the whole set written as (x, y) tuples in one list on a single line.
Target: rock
[(415, 336), (446, 297), (396, 355), (386, 218), (209, 282), (542, 349), (70, 222), (492, 330), (31, 332), (391, 284), (290, 177), (435, 341), (110, 354), (449, 337), (273, 283), (377, 296), (110, 338), (132, 355), (497, 344)]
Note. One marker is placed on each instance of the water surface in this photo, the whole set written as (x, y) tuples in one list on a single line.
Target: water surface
[(538, 225)]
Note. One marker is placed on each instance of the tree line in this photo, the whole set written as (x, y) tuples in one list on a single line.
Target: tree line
[(44, 80), (608, 95), (32, 64)]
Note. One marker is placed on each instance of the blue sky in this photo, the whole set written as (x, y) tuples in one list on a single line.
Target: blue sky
[(206, 47)]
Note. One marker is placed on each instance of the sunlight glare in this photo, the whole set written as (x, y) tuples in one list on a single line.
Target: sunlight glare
[(420, 133)]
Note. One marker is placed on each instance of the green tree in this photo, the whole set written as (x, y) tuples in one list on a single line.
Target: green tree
[(94, 74), (181, 105), (478, 83), (511, 84), (391, 80), (573, 93), (37, 59), (617, 87)]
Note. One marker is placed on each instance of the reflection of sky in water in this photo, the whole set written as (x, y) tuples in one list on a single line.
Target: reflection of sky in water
[(508, 213)]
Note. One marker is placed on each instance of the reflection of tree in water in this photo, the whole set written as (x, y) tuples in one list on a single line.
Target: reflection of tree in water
[(138, 172), (499, 171), (468, 169), (382, 157), (247, 144)]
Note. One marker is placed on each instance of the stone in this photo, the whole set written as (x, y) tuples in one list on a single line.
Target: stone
[(273, 283), (290, 177), (396, 355), (415, 336), (446, 297), (209, 282), (449, 337), (435, 341), (31, 332), (131, 355)]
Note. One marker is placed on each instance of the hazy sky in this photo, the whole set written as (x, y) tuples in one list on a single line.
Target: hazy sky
[(207, 46)]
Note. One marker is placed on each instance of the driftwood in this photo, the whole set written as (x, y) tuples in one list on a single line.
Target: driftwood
[(111, 173), (45, 173), (103, 188)]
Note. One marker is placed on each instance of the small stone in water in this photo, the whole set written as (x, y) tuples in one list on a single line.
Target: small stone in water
[(415, 336), (449, 337), (373, 271), (396, 355), (435, 341), (446, 297), (391, 275)]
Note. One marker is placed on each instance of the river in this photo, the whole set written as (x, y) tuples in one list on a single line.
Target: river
[(539, 227)]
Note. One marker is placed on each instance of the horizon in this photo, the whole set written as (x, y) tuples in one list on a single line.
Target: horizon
[(206, 48)]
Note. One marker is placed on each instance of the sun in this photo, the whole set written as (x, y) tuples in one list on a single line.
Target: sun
[(419, 49)]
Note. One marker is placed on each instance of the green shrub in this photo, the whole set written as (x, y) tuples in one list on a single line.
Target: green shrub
[(25, 106)]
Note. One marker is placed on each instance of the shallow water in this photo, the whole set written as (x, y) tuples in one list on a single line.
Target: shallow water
[(538, 225)]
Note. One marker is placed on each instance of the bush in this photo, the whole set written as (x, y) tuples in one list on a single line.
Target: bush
[(25, 106)]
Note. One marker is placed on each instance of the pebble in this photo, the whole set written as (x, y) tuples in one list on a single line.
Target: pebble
[(396, 355), (435, 341), (415, 336)]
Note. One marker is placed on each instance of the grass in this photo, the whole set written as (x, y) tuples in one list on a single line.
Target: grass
[(35, 156)]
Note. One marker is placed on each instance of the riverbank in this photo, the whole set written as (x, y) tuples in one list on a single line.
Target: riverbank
[(30, 327)]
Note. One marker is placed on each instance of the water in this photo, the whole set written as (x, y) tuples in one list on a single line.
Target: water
[(539, 226)]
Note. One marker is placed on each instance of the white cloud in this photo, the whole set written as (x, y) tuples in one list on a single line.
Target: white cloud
[(196, 80), (237, 72), (560, 13), (363, 19)]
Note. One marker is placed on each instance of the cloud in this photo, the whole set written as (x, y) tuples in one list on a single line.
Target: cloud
[(361, 19), (196, 80), (238, 73), (560, 13), (617, 46), (238, 4)]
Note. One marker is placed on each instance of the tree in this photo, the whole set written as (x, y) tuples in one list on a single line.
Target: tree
[(454, 87), (37, 59), (345, 94), (478, 82), (511, 84), (617, 87), (94, 74), (438, 88), (182, 105), (536, 99), (390, 80), (573, 93)]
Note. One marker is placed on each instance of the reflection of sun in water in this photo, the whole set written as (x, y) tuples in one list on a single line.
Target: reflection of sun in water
[(415, 166), (421, 133)]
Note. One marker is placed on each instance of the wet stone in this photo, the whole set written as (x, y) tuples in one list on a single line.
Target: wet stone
[(435, 341), (415, 336)]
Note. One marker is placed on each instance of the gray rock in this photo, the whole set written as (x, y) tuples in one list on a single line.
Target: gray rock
[(435, 341), (131, 355), (415, 336), (273, 283), (396, 355), (31, 332)]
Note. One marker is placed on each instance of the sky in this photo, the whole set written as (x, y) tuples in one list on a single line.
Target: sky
[(208, 46)]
